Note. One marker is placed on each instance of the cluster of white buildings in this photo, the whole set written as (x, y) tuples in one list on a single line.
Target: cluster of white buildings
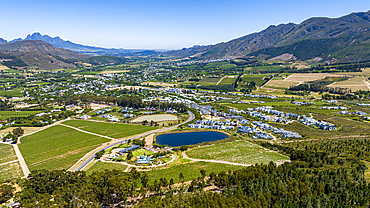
[(210, 124), (303, 103), (363, 104), (320, 124), (282, 132), (278, 116), (334, 108)]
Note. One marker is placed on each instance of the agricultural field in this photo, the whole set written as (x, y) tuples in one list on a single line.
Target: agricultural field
[(237, 152), (113, 130), (280, 84), (296, 79), (11, 93), (156, 118), (8, 114), (101, 166), (57, 147), (227, 81), (257, 78), (9, 165), (356, 83), (7, 153), (211, 80), (306, 77), (189, 170)]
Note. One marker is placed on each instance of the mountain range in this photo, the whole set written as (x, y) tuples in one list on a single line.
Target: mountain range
[(39, 55), (66, 44), (345, 38), (313, 29)]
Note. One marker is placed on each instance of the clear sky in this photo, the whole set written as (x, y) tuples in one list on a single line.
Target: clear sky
[(159, 24)]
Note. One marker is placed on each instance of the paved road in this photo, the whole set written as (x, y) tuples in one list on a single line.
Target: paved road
[(87, 161), (23, 164)]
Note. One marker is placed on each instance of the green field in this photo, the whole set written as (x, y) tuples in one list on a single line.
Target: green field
[(8, 114), (57, 147), (227, 81), (211, 80), (257, 78), (189, 170), (101, 166), (12, 93), (110, 129), (11, 169), (237, 152)]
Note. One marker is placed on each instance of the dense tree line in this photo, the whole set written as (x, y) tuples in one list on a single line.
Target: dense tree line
[(255, 186), (339, 97), (349, 148), (363, 93)]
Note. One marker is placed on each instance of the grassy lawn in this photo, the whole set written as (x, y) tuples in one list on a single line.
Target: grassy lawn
[(101, 166), (237, 152), (139, 152), (10, 170), (57, 147), (110, 129), (189, 170)]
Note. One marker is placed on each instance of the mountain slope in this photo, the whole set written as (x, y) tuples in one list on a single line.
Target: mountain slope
[(37, 55), (284, 34), (40, 47), (325, 48)]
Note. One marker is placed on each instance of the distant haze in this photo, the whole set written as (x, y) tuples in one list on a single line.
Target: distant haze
[(147, 24)]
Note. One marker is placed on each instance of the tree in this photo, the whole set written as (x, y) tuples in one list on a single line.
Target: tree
[(181, 177), (99, 154), (203, 173), (129, 155), (18, 131), (6, 192), (11, 136)]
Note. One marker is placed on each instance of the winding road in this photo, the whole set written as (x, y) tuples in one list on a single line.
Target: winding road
[(91, 158)]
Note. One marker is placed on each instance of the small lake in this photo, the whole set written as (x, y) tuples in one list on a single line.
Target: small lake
[(189, 138)]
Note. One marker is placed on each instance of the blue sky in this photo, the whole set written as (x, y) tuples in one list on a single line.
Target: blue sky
[(159, 24)]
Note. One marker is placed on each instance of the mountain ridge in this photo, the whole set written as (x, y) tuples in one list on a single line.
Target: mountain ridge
[(280, 35), (41, 47), (66, 44)]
